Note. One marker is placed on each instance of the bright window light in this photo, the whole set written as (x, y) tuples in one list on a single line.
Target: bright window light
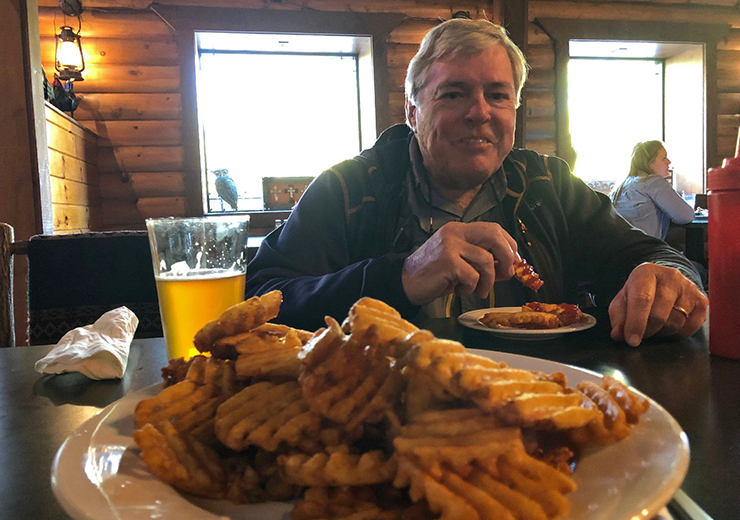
[(613, 104), (268, 113)]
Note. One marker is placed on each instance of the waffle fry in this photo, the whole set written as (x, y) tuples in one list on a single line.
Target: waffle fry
[(357, 503), (182, 462), (346, 382), (241, 317), (379, 419), (338, 469), (265, 414)]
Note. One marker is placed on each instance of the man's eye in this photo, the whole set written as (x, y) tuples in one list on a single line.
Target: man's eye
[(450, 95), (499, 96)]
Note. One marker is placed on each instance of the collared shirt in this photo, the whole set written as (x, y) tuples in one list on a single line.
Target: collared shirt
[(427, 211)]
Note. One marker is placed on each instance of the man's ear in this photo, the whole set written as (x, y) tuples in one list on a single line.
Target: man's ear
[(410, 114)]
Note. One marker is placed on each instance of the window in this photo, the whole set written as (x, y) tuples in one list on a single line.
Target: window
[(278, 105), (621, 93), (613, 104)]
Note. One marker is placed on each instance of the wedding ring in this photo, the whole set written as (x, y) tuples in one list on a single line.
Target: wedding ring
[(681, 310)]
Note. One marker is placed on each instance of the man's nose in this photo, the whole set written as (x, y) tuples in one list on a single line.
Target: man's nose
[(479, 109)]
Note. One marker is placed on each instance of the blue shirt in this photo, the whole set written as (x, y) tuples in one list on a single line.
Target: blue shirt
[(649, 203)]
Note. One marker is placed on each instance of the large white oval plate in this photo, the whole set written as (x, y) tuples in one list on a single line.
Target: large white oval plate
[(97, 474), (470, 319)]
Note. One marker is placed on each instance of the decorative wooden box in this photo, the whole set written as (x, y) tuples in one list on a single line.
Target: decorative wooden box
[(283, 192)]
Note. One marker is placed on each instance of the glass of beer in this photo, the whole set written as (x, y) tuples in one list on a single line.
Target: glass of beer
[(200, 265)]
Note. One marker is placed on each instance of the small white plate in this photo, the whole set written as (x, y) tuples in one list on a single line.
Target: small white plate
[(98, 475), (470, 319)]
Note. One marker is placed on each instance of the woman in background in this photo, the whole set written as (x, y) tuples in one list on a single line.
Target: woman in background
[(646, 198)]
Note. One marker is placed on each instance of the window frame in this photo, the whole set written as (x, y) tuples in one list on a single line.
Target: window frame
[(561, 31), (188, 20)]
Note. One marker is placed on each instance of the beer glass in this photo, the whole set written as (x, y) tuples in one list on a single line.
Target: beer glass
[(200, 265)]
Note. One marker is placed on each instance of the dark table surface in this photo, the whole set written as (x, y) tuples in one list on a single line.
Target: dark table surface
[(702, 392)]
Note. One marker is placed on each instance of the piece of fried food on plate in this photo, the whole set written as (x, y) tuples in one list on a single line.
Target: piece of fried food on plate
[(509, 487), (191, 404), (521, 320), (567, 313), (615, 401), (345, 381), (254, 477), (181, 461), (266, 414), (381, 502), (239, 318), (269, 351), (382, 327), (488, 383), (339, 468)]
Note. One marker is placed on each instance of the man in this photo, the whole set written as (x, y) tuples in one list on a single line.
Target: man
[(431, 218)]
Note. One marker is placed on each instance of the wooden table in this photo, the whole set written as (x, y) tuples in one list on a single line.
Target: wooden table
[(701, 391)]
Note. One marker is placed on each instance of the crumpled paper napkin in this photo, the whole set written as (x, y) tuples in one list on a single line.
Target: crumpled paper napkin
[(99, 351)]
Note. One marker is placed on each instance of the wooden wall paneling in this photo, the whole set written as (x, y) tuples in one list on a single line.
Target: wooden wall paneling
[(151, 207), (731, 41), (71, 218), (106, 24), (67, 191), (515, 20), (728, 102), (411, 31), (617, 11), (129, 78), (132, 133), (72, 152), (120, 214), (136, 106), (540, 103), (411, 8), (126, 159), (117, 51), (142, 184), (67, 167), (396, 109)]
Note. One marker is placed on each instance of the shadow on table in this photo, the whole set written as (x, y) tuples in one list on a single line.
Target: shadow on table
[(75, 388)]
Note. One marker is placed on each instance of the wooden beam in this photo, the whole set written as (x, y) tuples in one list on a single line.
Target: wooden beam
[(514, 13), (117, 51), (688, 14), (133, 133), (106, 24), (134, 106)]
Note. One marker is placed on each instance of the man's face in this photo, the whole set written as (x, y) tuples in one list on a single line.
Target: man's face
[(465, 117)]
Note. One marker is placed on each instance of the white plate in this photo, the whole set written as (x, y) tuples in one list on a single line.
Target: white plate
[(470, 319), (98, 475)]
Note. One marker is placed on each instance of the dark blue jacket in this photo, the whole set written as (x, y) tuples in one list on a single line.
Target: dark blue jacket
[(337, 246)]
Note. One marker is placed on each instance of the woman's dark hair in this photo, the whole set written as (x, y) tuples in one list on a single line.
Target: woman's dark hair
[(642, 155)]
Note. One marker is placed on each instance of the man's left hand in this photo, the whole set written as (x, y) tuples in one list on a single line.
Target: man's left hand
[(656, 300)]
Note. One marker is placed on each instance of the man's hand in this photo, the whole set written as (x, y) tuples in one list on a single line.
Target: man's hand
[(459, 258), (653, 301)]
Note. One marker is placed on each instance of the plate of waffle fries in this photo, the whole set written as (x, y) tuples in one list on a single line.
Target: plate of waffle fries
[(369, 419), (533, 320)]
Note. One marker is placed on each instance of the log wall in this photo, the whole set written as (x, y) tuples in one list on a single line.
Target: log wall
[(73, 168), (131, 92)]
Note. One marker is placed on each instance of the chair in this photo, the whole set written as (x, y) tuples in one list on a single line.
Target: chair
[(74, 279), (7, 250)]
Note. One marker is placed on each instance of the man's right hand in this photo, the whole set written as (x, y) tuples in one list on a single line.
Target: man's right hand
[(460, 258)]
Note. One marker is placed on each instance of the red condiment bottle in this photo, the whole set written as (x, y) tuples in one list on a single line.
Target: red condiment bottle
[(723, 201)]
